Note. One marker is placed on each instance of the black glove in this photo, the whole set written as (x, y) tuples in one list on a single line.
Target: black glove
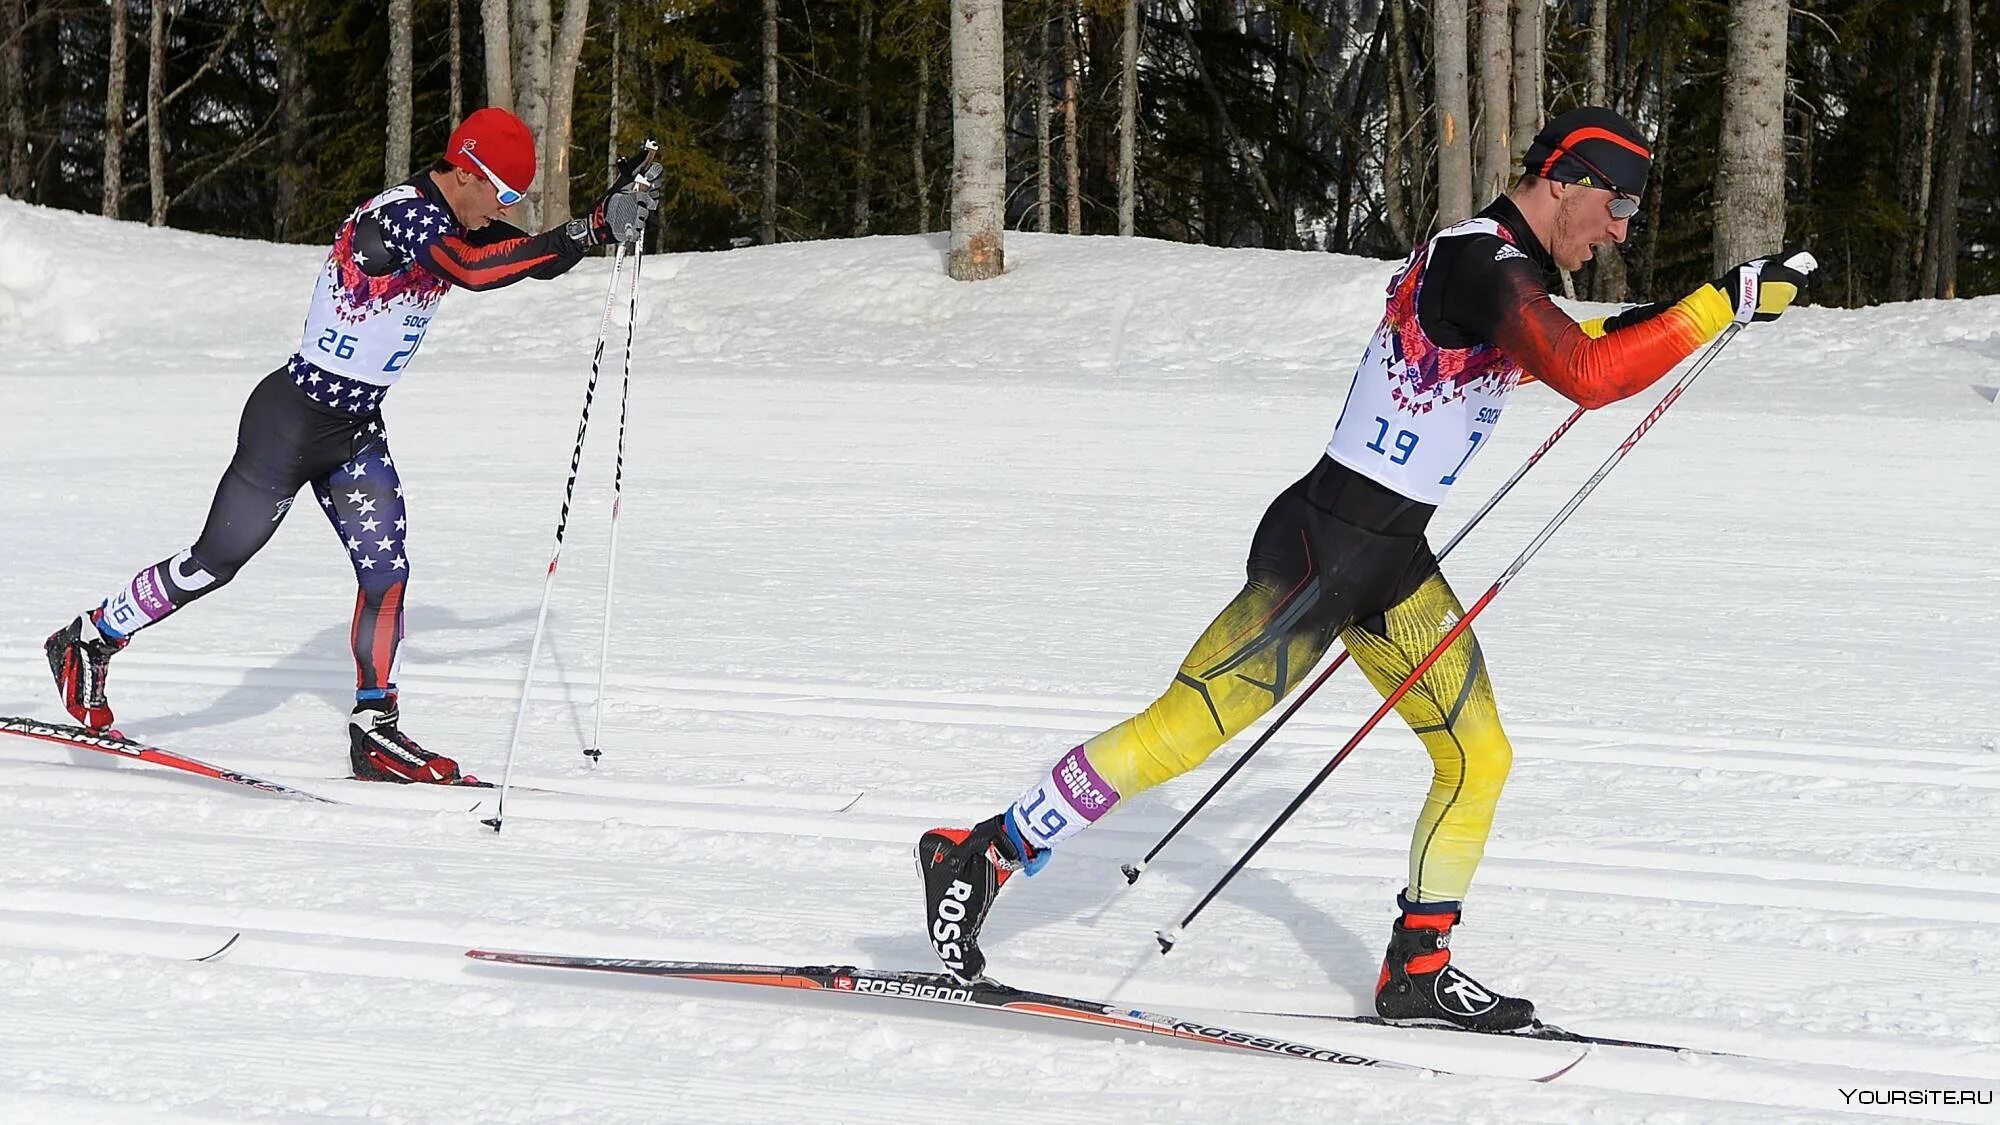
[(1763, 288), (621, 214)]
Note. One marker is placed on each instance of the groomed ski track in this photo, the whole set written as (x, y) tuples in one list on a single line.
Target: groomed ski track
[(645, 870), (890, 538)]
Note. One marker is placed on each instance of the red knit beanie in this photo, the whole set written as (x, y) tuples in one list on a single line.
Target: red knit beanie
[(500, 140)]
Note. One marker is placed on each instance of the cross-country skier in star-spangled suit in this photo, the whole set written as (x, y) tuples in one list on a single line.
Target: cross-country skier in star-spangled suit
[(317, 420)]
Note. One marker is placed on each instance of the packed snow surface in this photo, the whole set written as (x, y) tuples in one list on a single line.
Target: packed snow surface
[(889, 545)]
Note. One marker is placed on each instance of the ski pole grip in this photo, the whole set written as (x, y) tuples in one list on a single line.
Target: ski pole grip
[(628, 168)]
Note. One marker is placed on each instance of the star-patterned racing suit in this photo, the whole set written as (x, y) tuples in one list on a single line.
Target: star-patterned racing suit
[(317, 420)]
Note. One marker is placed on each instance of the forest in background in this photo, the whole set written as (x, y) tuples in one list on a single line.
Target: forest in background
[(1307, 124)]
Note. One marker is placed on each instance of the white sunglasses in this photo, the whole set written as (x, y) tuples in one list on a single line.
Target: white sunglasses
[(506, 195)]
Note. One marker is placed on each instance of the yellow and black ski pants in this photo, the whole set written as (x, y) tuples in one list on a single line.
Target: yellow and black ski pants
[(1335, 555)]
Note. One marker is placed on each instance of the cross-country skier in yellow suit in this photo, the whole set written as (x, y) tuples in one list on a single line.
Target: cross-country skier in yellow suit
[(1341, 553)]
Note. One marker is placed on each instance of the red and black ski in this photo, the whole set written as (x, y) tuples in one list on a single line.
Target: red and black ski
[(112, 742), (941, 989)]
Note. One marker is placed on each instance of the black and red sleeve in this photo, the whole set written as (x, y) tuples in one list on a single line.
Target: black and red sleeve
[(1491, 293), (491, 259)]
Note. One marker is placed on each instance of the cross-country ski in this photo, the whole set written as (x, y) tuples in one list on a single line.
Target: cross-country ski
[(113, 743), (943, 989)]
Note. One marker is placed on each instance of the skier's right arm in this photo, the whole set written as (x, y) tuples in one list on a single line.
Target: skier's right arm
[(499, 231), (499, 254), (481, 264), (1600, 361), (418, 231)]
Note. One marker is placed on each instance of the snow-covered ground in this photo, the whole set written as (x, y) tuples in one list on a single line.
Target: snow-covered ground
[(890, 536)]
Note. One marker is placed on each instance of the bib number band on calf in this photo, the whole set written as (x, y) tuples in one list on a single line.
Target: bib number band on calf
[(154, 593), (1070, 799)]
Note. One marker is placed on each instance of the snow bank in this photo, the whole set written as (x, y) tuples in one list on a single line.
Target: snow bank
[(1067, 308)]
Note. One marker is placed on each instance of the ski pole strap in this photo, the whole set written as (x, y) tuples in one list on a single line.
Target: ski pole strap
[(628, 167)]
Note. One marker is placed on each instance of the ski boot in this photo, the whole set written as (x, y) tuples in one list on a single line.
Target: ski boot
[(379, 751), (963, 869), (80, 658), (1420, 986)]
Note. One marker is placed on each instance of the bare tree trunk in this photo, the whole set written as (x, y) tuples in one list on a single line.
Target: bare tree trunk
[(917, 138), (215, 56), (1919, 244), (864, 122), (14, 170), (1750, 170), (498, 26), (1393, 200), (1288, 84), (1405, 128), (1527, 117), (1072, 173), (156, 112), (1599, 43), (1950, 177), (1656, 186), (457, 64), (560, 130), (1449, 83), (1609, 278), (533, 39), (768, 217), (1214, 199), (288, 18), (1037, 68), (1489, 153), (979, 141), (611, 127), (396, 154), (1128, 117), (14, 97), (114, 115)]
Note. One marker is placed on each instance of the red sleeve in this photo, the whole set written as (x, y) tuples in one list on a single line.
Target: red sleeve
[(1479, 289), (499, 263), (1594, 371)]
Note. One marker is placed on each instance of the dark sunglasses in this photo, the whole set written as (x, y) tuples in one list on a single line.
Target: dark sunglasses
[(1623, 204)]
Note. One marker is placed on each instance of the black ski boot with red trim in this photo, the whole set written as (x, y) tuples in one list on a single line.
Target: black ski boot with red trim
[(1420, 986), (379, 751), (963, 868), (80, 659)]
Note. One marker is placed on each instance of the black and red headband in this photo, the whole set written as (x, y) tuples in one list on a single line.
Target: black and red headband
[(1593, 146)]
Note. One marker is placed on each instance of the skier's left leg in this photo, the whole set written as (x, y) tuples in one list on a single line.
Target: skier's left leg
[(1452, 710), (363, 499), (278, 443), (1309, 570), (1251, 656)]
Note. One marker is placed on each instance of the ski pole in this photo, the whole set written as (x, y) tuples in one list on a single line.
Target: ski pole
[(596, 749), (562, 525), (1802, 262), (1134, 870)]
